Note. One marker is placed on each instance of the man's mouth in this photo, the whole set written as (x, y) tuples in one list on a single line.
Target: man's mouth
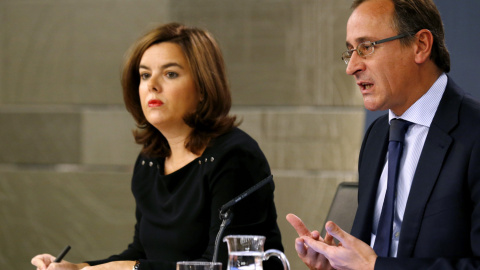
[(365, 86)]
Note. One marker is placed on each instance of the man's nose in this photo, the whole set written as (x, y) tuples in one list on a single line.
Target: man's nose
[(355, 64)]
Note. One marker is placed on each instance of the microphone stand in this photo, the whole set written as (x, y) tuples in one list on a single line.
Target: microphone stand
[(226, 219)]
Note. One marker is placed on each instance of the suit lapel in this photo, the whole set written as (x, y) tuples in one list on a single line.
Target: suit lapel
[(433, 154), (372, 161)]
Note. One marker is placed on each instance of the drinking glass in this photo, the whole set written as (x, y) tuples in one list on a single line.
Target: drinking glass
[(194, 265)]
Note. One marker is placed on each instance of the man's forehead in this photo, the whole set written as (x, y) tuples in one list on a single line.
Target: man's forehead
[(368, 23)]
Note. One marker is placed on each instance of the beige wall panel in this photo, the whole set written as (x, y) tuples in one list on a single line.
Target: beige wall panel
[(251, 122), (70, 51), (308, 197), (42, 137), (65, 170), (279, 52), (304, 139), (107, 137), (3, 34), (44, 211)]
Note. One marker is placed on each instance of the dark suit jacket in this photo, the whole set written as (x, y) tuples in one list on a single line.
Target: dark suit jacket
[(441, 225)]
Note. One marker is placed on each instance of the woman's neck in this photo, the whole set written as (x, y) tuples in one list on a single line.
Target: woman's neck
[(180, 155)]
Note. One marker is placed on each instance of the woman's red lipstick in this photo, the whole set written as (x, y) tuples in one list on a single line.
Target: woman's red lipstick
[(155, 103)]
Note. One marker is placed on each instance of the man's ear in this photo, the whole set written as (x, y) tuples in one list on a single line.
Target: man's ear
[(423, 46)]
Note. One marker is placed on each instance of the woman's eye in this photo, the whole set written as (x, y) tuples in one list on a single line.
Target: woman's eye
[(171, 75), (144, 76)]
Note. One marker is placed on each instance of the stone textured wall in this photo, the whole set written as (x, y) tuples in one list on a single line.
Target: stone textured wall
[(66, 150)]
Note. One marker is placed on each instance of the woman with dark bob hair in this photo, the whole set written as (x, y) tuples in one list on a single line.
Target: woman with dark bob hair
[(194, 158)]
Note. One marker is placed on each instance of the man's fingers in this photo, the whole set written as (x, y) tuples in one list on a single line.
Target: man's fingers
[(335, 231), (298, 225), (317, 246), (316, 235), (329, 239), (300, 247)]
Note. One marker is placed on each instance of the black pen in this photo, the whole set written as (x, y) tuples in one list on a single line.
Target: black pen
[(61, 255)]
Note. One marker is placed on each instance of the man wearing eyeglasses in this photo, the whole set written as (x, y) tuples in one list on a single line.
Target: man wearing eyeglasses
[(397, 55)]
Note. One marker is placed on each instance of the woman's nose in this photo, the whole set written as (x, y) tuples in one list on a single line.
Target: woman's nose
[(153, 84)]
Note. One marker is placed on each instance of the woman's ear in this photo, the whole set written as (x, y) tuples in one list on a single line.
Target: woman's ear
[(423, 46)]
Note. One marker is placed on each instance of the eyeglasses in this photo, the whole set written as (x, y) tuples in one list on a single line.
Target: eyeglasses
[(366, 48)]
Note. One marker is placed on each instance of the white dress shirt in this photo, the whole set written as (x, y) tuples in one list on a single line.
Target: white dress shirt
[(421, 114)]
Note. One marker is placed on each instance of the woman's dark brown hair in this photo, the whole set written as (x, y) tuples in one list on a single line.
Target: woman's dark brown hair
[(205, 59)]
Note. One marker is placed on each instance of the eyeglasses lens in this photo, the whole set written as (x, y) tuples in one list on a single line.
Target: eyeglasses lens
[(365, 48)]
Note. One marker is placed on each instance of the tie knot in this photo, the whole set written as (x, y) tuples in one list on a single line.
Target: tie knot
[(398, 127)]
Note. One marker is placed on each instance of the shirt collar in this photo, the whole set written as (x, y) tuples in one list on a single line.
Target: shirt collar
[(424, 109)]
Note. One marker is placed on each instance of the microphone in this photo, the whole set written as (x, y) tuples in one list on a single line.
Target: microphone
[(226, 215), (249, 191)]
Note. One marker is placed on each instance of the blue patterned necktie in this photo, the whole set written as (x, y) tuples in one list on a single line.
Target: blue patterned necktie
[(398, 127)]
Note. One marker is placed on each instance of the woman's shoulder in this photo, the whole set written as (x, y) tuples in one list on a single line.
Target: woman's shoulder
[(146, 165), (237, 155), (235, 139), (236, 149)]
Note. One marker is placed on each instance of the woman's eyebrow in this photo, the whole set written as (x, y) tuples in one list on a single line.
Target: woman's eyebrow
[(167, 65)]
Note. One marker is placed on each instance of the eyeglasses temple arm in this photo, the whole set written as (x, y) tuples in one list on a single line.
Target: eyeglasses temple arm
[(390, 39)]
